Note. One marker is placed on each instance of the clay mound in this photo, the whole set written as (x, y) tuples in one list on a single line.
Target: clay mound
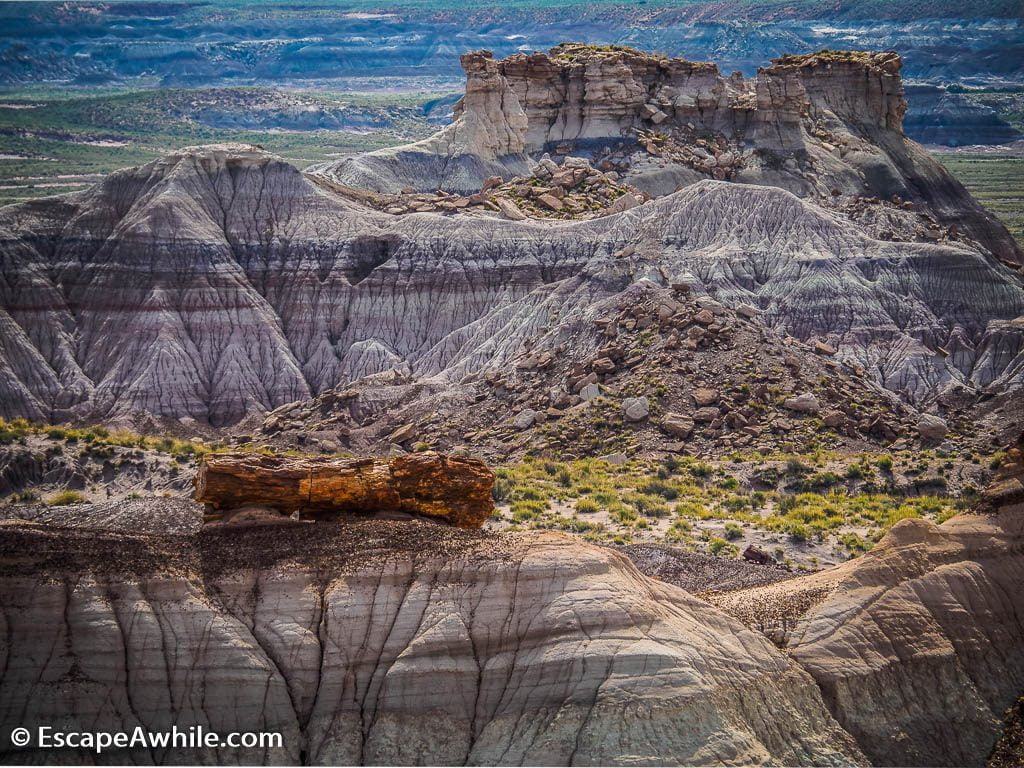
[(219, 283), (402, 649)]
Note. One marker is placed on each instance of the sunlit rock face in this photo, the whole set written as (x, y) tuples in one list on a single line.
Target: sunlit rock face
[(476, 649), (391, 642), (823, 126)]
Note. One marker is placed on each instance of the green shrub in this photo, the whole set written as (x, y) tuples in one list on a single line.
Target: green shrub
[(854, 543), (701, 470), (502, 491), (884, 463), (659, 488), (587, 506), (733, 531), (719, 547), (796, 467), (648, 505), (798, 532), (65, 497), (729, 484), (818, 481), (736, 503), (620, 513), (529, 493)]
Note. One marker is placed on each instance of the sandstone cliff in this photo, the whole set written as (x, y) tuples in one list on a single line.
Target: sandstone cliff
[(822, 126)]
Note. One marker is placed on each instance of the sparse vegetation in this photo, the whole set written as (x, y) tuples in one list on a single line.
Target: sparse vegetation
[(819, 504), (63, 498)]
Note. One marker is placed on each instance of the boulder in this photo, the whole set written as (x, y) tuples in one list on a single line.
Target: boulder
[(590, 391), (525, 419), (706, 415), (931, 427), (635, 408), (712, 306), (757, 555), (704, 396), (677, 425), (403, 433), (550, 201), (833, 419), (748, 311), (805, 403), (454, 489), (491, 182), (590, 378), (623, 203), (509, 209)]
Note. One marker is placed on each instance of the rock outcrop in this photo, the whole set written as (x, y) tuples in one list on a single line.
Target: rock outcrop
[(392, 643), (218, 283), (922, 632), (823, 126), (455, 489), (371, 642)]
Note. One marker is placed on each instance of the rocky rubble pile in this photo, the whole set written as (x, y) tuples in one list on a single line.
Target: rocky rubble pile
[(656, 370), (711, 154), (893, 219), (572, 190)]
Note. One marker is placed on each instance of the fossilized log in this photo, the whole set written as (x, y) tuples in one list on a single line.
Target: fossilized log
[(452, 488)]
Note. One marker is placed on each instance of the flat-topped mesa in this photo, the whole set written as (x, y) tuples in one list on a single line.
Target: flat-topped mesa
[(455, 489), (826, 126), (582, 93)]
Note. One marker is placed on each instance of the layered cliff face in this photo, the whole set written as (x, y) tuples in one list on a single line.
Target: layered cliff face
[(824, 126), (393, 643), (219, 283), (398, 642)]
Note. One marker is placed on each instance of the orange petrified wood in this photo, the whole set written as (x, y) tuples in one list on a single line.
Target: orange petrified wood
[(453, 488)]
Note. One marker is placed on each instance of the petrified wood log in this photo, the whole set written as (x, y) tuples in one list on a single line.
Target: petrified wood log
[(453, 488)]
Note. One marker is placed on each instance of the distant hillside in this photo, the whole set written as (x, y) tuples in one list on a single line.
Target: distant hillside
[(411, 43)]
